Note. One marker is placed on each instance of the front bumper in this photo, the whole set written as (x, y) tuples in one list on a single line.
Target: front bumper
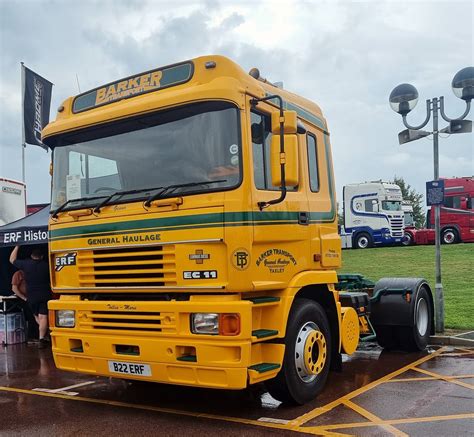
[(226, 370), (158, 334)]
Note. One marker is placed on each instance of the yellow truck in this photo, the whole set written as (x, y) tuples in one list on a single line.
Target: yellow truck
[(193, 237)]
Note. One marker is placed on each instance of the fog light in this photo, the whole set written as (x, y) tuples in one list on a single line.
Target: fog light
[(65, 318)]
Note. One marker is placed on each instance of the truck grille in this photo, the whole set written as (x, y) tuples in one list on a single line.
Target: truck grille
[(151, 322), (396, 226), (150, 266)]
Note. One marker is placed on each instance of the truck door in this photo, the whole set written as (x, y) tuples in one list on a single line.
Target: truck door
[(325, 241), (281, 231)]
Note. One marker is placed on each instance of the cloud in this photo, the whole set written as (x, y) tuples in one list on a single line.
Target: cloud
[(346, 56)]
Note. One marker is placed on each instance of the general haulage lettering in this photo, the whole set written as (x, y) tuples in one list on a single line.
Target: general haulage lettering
[(123, 239)]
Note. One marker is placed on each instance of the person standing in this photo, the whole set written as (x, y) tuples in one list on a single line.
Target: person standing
[(19, 284), (38, 289), (19, 288)]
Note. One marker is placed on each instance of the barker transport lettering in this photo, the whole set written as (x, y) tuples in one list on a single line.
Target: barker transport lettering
[(134, 85)]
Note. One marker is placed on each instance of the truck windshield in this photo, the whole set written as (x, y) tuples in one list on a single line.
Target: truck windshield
[(182, 146), (408, 220), (391, 205)]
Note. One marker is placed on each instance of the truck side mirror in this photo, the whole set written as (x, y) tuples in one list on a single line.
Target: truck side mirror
[(290, 122), (375, 206), (290, 157)]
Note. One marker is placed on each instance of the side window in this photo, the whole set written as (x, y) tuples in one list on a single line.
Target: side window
[(260, 127), (369, 206), (257, 127), (312, 163), (452, 202)]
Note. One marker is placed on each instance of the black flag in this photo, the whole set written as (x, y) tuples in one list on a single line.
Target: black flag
[(36, 105)]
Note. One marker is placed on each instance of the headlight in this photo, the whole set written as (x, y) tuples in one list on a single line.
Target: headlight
[(65, 318), (215, 324), (205, 323)]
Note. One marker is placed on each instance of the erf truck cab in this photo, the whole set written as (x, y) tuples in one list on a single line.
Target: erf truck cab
[(373, 214), (456, 216), (193, 237)]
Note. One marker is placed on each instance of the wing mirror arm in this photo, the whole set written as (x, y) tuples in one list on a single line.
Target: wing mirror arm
[(253, 102)]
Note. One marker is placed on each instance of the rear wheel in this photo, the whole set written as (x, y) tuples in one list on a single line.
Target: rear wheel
[(415, 338), (307, 355), (386, 336), (450, 236), (363, 241)]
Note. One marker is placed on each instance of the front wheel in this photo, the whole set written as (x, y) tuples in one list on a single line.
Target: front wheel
[(407, 239), (307, 355), (363, 241)]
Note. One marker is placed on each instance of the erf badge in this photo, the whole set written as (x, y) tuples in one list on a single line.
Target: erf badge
[(65, 260), (240, 259)]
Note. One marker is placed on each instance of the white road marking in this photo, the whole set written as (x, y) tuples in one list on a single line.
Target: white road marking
[(62, 390), (273, 420), (47, 390)]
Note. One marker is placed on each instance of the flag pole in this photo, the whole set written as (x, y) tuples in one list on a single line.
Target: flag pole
[(23, 144)]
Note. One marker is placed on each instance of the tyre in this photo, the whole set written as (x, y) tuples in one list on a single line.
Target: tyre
[(449, 236), (407, 239), (307, 355), (387, 336), (415, 338), (362, 241)]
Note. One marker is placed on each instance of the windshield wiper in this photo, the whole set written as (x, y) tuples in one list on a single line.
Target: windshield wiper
[(170, 188), (67, 202), (121, 193)]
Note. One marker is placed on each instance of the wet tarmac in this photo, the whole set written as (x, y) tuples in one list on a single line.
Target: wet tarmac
[(378, 393)]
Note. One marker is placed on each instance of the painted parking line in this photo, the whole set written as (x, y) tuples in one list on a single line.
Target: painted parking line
[(373, 418), (444, 378), (144, 407), (328, 428), (296, 424), (429, 378), (328, 407)]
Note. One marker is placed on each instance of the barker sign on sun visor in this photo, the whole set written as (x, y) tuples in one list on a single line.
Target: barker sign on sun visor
[(134, 85)]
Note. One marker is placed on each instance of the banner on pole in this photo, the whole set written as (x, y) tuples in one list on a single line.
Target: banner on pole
[(36, 105)]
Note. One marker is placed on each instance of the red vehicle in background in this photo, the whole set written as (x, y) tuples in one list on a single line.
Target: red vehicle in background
[(456, 216)]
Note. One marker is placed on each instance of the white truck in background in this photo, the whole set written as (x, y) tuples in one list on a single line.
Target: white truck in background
[(12, 200), (373, 215)]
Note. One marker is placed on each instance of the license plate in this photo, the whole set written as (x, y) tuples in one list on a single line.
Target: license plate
[(130, 368)]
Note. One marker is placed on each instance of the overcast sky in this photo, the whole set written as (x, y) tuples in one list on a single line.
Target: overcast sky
[(346, 56)]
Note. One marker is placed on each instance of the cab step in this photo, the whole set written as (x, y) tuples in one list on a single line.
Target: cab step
[(264, 367), (188, 358), (259, 300), (263, 333)]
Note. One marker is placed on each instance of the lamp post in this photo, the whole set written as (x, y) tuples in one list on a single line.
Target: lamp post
[(403, 99)]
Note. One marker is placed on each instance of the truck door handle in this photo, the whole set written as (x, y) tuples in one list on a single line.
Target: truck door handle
[(303, 218)]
